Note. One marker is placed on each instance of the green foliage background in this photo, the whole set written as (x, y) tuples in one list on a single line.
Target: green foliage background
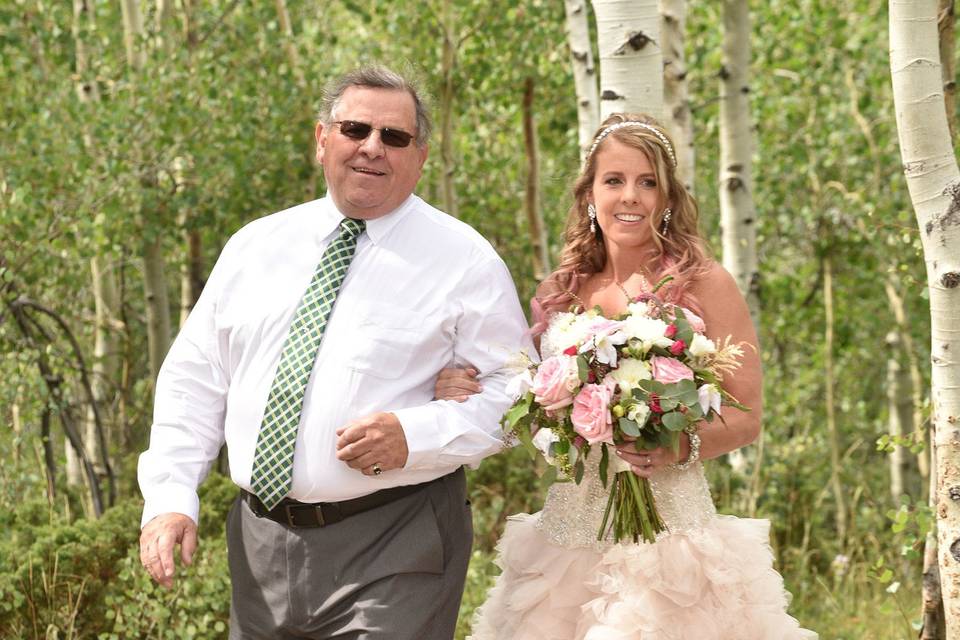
[(96, 179)]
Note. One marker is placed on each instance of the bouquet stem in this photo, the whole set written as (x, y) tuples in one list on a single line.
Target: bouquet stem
[(631, 504)]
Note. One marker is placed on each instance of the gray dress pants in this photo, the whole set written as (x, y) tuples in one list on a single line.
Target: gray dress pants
[(396, 571)]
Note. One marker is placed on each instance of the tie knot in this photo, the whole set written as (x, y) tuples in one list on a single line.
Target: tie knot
[(351, 227)]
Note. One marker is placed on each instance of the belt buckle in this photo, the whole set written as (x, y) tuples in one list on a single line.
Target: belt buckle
[(288, 512)]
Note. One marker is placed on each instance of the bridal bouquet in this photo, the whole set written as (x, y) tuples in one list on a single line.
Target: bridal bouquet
[(643, 376)]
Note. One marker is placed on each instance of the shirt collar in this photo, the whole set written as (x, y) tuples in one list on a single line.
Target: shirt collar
[(377, 229)]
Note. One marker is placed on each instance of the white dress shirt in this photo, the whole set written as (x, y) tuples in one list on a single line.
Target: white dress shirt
[(424, 291)]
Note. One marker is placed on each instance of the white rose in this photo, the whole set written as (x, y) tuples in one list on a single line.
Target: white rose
[(630, 372), (649, 331), (701, 345)]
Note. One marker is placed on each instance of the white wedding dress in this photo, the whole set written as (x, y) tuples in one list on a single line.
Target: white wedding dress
[(708, 577)]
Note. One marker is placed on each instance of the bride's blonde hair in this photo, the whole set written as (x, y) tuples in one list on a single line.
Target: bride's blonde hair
[(680, 248)]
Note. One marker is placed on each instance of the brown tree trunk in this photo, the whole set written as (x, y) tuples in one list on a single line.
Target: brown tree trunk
[(531, 201)]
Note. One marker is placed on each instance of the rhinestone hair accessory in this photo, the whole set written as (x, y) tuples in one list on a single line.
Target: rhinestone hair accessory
[(666, 220), (633, 123)]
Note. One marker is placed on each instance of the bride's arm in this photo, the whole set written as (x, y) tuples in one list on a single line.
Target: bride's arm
[(725, 314)]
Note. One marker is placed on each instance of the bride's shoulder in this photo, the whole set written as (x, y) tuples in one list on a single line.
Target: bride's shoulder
[(713, 282)]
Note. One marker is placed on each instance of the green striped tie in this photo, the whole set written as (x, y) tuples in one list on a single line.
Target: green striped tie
[(273, 458)]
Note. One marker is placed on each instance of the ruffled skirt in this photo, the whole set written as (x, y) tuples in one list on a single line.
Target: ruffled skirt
[(715, 582)]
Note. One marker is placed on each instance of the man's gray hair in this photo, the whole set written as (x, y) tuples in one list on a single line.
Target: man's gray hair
[(377, 77)]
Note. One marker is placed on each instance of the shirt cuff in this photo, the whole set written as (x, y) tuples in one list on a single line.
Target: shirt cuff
[(422, 432), (171, 498)]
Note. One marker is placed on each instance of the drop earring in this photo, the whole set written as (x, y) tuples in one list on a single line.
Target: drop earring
[(592, 214)]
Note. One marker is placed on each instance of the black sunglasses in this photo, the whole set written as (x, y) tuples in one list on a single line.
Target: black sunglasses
[(360, 130)]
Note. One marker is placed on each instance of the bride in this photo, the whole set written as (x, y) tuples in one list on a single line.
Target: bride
[(708, 576)]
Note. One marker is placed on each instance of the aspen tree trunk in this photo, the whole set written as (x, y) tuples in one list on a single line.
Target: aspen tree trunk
[(584, 72), (154, 268), (289, 44), (933, 624), (933, 180), (917, 420), (531, 201), (17, 425), (631, 63), (898, 409), (191, 271), (829, 383), (737, 212), (448, 66), (132, 33), (946, 19), (676, 102), (157, 304), (104, 289)]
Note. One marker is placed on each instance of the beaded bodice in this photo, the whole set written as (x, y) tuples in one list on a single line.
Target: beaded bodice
[(572, 513)]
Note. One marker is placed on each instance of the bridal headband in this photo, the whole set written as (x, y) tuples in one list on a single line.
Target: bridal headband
[(632, 123)]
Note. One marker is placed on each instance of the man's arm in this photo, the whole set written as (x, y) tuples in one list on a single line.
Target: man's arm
[(491, 329), (185, 438)]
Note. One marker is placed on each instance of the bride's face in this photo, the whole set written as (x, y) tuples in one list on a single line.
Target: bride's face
[(625, 194)]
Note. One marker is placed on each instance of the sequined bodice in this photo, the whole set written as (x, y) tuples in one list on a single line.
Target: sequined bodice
[(572, 513)]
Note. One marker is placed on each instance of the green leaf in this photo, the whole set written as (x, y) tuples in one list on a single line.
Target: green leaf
[(629, 427), (674, 421), (583, 368), (519, 410)]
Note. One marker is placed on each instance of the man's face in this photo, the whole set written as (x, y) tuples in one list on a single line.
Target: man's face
[(367, 178)]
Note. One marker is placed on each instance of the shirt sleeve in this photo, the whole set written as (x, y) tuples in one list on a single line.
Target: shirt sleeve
[(189, 407), (491, 331)]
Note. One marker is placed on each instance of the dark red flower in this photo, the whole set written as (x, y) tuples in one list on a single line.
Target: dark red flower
[(654, 403), (570, 351), (591, 376), (671, 331), (677, 347)]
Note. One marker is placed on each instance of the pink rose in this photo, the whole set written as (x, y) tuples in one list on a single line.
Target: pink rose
[(591, 413), (677, 347), (555, 381), (696, 322), (669, 370)]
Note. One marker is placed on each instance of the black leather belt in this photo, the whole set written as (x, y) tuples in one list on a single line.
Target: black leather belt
[(320, 514)]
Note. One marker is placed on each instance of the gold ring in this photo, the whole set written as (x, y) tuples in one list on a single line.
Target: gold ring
[(376, 469)]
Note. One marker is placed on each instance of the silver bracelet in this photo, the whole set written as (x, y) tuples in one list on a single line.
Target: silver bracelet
[(694, 455)]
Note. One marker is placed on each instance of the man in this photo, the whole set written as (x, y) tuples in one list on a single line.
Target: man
[(313, 352)]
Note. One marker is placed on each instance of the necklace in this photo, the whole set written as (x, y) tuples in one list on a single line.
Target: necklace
[(643, 283)]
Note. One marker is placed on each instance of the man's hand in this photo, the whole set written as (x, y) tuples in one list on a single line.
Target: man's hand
[(377, 439), (157, 541)]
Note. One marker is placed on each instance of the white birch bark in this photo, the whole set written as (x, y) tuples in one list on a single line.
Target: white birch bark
[(584, 72), (133, 32), (946, 20), (898, 416), (154, 268), (676, 101), (737, 212), (631, 63), (933, 180)]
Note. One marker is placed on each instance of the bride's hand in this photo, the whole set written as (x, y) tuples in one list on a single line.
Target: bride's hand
[(456, 384), (647, 463)]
